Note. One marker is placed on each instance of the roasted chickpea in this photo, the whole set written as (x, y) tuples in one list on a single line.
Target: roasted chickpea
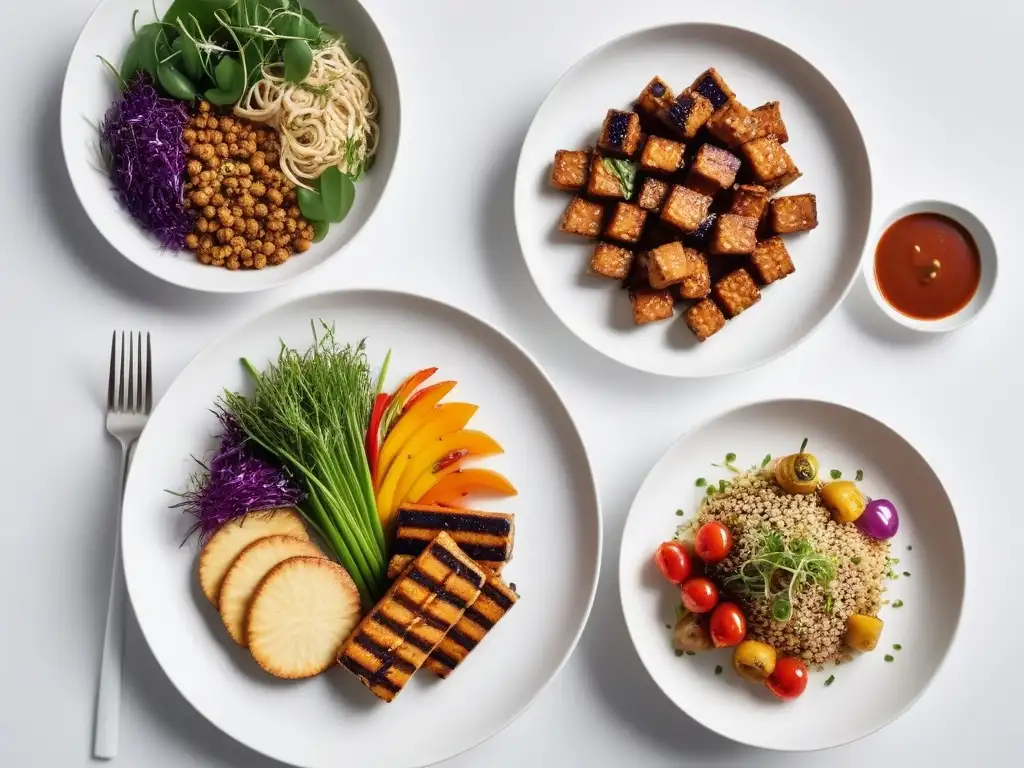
[(194, 168), (301, 245), (218, 199), (269, 248), (204, 256), (191, 241), (250, 146), (202, 136), (222, 150), (204, 106), (281, 256), (252, 227), (224, 235), (200, 198), (290, 226), (274, 226), (259, 260), (208, 211), (202, 225), (279, 214), (256, 245), (225, 216), (258, 189), (282, 240), (272, 158), (275, 196), (203, 151), (245, 182), (261, 210), (307, 233), (246, 255), (206, 242), (231, 182)]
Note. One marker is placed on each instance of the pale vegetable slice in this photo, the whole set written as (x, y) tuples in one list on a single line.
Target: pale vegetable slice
[(248, 571), (301, 615), (230, 539)]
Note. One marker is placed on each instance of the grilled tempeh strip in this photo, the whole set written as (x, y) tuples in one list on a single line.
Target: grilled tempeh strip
[(398, 564), (495, 600), (395, 638), (486, 537)]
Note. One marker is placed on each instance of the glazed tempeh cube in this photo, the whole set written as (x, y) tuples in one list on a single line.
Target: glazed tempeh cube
[(733, 235), (671, 263), (685, 208), (749, 200), (582, 217), (620, 133), (569, 170), (797, 213), (662, 155), (651, 305), (712, 170), (603, 181), (655, 96), (768, 159), (394, 639), (652, 194), (611, 261), (734, 125), (487, 537), (705, 319), (783, 181), (626, 223), (737, 292), (697, 285), (687, 114), (711, 85), (496, 599), (771, 260), (769, 121)]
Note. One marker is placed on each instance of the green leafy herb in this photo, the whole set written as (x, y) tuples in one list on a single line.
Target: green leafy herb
[(897, 603), (701, 482), (718, 669), (298, 59), (890, 657), (860, 475), (829, 680), (310, 410), (229, 76), (764, 462), (679, 513), (835, 474), (778, 570), (730, 457), (729, 463), (320, 229), (624, 171), (897, 647), (710, 491)]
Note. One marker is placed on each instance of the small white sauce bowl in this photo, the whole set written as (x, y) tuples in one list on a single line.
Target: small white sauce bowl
[(986, 251)]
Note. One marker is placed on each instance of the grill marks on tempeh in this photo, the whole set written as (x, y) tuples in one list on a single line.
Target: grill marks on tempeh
[(420, 608), (486, 537)]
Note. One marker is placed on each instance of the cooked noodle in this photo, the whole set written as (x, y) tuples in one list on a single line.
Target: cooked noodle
[(327, 119)]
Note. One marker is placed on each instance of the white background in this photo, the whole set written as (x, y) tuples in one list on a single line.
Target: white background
[(936, 87)]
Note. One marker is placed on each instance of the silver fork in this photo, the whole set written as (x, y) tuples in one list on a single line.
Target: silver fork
[(127, 413)]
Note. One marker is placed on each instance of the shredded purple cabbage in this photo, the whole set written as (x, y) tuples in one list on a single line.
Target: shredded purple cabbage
[(142, 139), (236, 483)]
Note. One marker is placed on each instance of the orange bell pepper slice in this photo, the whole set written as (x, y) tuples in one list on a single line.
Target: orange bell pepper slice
[(454, 487)]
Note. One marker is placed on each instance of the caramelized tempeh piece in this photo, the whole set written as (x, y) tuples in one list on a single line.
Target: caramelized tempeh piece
[(487, 537), (495, 600), (395, 638)]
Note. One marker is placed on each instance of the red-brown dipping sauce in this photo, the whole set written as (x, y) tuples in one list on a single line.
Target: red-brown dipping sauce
[(927, 266)]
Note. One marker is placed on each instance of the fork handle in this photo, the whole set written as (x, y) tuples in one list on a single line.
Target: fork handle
[(108, 702)]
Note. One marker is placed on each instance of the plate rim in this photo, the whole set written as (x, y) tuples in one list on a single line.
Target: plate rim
[(733, 28), (238, 288), (774, 401), (465, 315)]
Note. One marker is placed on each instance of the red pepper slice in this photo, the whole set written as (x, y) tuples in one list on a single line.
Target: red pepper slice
[(447, 461), (380, 405)]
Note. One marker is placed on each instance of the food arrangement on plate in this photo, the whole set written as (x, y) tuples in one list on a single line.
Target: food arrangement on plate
[(240, 129), (785, 568), (335, 524), (679, 192)]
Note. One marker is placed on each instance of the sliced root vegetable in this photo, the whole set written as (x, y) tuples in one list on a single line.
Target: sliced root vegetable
[(408, 424), (444, 420), (300, 616), (453, 488), (434, 457), (225, 545), (248, 570)]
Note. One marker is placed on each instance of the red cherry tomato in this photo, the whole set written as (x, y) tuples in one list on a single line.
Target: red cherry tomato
[(713, 542), (699, 595), (674, 561), (728, 626), (789, 679)]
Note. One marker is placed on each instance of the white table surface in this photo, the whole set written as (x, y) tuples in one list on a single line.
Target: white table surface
[(937, 88)]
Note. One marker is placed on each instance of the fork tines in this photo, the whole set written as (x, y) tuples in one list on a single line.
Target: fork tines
[(139, 396)]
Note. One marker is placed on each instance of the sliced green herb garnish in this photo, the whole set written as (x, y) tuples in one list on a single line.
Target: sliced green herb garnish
[(679, 513), (624, 171), (831, 679), (679, 653), (897, 603), (829, 605), (718, 669), (835, 474), (730, 457), (723, 484), (906, 573), (860, 475), (890, 657), (897, 647), (855, 559), (701, 482), (765, 460)]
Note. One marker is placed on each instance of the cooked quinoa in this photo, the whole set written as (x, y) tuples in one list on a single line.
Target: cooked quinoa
[(755, 504)]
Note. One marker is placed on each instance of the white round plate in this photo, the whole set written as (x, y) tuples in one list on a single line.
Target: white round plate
[(867, 693), (332, 719), (89, 90), (825, 143)]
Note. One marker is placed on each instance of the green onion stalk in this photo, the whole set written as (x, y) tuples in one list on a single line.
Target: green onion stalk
[(310, 410)]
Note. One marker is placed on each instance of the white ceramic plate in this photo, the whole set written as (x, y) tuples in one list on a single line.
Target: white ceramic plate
[(825, 143), (332, 720), (89, 90), (867, 693)]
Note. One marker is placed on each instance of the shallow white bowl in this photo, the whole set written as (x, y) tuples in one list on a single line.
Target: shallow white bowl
[(332, 720), (89, 90), (867, 693), (825, 143), (986, 250)]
